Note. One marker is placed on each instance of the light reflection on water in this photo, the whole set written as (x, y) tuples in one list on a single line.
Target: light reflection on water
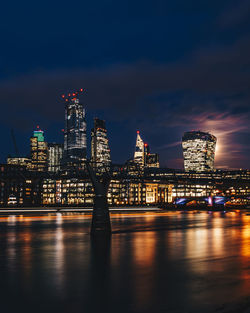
[(155, 262)]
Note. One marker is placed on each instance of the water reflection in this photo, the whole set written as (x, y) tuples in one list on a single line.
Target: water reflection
[(153, 263)]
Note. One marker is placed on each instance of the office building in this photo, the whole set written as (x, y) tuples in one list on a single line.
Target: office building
[(75, 139), (152, 160), (22, 161), (100, 152), (55, 154), (142, 155), (198, 151), (38, 151), (139, 155)]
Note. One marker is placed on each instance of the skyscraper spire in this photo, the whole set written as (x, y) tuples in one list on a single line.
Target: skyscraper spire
[(142, 155), (139, 155)]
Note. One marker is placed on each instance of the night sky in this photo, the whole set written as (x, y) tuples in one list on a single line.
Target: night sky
[(161, 67)]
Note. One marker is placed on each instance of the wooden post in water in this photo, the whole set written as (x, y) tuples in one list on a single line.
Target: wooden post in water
[(100, 217)]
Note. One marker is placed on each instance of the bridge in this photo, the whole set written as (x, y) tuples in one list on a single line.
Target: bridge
[(212, 201)]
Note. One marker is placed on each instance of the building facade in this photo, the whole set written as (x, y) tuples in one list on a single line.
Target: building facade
[(152, 160), (26, 162), (198, 151), (38, 151), (79, 191), (55, 154), (19, 186), (100, 151), (75, 139), (155, 186)]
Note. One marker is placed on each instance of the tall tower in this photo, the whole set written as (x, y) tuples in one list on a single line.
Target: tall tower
[(198, 151), (75, 139), (38, 151), (139, 155), (100, 152)]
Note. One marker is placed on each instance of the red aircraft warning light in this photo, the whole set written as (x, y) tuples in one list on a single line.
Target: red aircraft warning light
[(73, 95), (138, 132)]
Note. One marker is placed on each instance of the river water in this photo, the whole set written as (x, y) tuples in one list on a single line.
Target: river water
[(154, 262)]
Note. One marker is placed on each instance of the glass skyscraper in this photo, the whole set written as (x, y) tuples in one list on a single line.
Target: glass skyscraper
[(100, 152), (198, 151), (75, 139)]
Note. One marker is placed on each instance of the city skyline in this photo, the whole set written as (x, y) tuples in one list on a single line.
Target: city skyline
[(188, 70), (88, 138), (125, 156)]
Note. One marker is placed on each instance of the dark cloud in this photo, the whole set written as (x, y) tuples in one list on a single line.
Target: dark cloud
[(206, 88), (222, 75), (237, 14)]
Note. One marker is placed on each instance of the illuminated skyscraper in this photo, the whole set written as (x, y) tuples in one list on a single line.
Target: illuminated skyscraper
[(38, 151), (100, 152), (198, 151), (139, 155), (75, 139), (55, 154), (142, 155)]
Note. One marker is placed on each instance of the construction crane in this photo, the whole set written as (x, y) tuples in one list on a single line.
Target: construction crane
[(14, 143)]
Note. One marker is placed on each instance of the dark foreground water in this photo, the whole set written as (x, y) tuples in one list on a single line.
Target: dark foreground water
[(170, 262)]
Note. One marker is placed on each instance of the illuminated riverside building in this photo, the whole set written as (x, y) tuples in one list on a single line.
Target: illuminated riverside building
[(75, 191), (232, 184), (75, 139), (198, 151), (55, 154), (20, 185), (100, 152), (38, 151), (155, 186)]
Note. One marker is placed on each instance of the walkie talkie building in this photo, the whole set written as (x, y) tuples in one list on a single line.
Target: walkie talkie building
[(75, 138), (198, 151)]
